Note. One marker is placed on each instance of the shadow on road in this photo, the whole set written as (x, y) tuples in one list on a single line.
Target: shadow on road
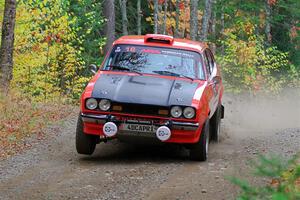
[(121, 152)]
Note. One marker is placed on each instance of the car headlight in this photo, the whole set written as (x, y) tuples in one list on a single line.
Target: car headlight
[(104, 104), (176, 111), (189, 112), (91, 104)]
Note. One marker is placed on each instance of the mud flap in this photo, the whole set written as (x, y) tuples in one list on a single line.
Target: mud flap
[(222, 111)]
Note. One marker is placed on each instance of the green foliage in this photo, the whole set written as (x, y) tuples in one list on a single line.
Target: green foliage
[(50, 50), (285, 18), (57, 39), (284, 180), (248, 65), (88, 26)]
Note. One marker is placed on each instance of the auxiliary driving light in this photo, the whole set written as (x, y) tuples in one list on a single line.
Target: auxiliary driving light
[(163, 133), (110, 129)]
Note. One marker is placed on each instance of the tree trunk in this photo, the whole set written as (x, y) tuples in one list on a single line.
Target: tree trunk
[(268, 10), (205, 20), (213, 26), (139, 14), (184, 20), (177, 19), (165, 16), (124, 16), (109, 13), (222, 25), (194, 19), (155, 14), (7, 44)]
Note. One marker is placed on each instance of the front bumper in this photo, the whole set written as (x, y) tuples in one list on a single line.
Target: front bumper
[(182, 132)]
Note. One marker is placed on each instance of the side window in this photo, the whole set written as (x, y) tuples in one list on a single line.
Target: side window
[(206, 62), (210, 59)]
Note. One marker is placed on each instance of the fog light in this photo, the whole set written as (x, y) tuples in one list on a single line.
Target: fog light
[(110, 129), (163, 133)]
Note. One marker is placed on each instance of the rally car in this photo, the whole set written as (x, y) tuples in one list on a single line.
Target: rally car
[(156, 89)]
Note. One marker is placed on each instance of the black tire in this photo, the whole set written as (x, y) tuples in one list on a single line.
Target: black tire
[(85, 144), (215, 125), (199, 151)]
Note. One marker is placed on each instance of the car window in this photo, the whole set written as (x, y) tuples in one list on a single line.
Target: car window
[(155, 60), (210, 60), (206, 61), (200, 70)]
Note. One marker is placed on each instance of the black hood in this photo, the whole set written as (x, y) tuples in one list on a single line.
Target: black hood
[(144, 90)]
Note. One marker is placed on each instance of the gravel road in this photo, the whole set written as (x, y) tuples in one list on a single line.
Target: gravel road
[(53, 170)]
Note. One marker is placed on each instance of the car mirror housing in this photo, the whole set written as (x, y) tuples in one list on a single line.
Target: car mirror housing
[(93, 68)]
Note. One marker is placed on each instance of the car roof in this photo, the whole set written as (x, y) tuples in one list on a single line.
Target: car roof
[(158, 40)]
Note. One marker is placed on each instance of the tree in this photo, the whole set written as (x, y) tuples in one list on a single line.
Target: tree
[(205, 19), (109, 13), (139, 14), (155, 15), (90, 26), (165, 16), (185, 3), (213, 25), (194, 19), (268, 21), (7, 44), (177, 18), (124, 16)]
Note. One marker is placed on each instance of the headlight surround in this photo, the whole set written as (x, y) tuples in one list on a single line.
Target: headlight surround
[(189, 112), (176, 111), (104, 104), (91, 104)]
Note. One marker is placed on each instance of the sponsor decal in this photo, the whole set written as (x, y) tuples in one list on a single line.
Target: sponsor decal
[(118, 49)]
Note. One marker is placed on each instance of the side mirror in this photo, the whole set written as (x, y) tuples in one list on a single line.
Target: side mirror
[(93, 68)]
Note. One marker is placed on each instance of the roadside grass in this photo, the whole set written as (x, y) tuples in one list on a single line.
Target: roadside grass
[(21, 118), (284, 177)]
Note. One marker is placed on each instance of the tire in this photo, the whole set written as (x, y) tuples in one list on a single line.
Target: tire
[(199, 151), (85, 144), (215, 125)]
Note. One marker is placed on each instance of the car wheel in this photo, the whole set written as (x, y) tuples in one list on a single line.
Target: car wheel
[(215, 125), (199, 150), (85, 144)]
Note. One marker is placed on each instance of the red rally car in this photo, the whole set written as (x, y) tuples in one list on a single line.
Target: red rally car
[(153, 88)]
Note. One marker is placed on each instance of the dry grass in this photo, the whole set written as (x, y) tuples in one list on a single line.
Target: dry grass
[(20, 118)]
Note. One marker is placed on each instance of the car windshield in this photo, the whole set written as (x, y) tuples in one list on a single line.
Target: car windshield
[(155, 60)]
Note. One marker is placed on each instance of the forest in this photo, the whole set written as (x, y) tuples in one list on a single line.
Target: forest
[(47, 47), (256, 42)]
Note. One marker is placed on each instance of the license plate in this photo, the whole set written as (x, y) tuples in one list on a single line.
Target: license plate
[(139, 128)]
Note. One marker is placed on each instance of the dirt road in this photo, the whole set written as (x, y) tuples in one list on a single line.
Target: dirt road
[(53, 170)]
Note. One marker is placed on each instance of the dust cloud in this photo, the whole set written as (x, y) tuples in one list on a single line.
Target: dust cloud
[(261, 114)]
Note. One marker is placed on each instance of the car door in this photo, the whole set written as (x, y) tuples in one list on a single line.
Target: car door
[(213, 81)]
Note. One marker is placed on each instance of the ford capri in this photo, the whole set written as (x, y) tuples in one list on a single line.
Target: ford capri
[(155, 89)]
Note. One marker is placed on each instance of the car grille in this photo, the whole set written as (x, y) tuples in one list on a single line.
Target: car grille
[(141, 109)]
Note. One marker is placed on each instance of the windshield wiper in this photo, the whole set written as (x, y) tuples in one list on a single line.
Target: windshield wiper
[(187, 77), (172, 74), (124, 68)]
